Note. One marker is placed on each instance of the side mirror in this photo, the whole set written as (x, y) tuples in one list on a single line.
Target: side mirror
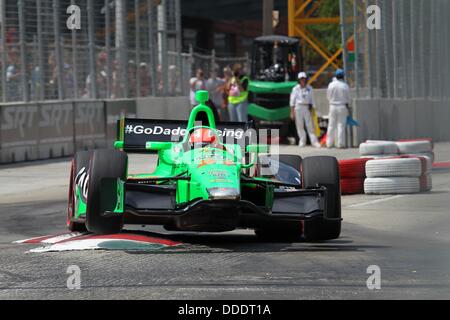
[(158, 146), (258, 148)]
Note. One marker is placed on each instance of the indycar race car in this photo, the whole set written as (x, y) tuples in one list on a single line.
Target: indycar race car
[(202, 184)]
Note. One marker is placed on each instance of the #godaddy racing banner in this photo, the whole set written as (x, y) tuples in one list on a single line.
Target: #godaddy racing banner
[(137, 132)]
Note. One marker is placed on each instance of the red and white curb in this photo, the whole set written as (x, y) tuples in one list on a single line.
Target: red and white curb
[(83, 241), (441, 165)]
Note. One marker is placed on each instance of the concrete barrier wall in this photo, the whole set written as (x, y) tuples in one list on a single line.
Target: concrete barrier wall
[(56, 130), (37, 131), (90, 125), (441, 118), (367, 113), (19, 137), (399, 119)]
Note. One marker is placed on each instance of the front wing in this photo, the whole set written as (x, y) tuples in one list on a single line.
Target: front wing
[(156, 205)]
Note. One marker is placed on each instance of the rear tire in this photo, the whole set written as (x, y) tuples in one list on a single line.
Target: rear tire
[(109, 164), (79, 163), (323, 171)]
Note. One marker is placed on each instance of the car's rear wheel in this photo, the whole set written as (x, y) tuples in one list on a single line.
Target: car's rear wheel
[(78, 178), (106, 169), (318, 172)]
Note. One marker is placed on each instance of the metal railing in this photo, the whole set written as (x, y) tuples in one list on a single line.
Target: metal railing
[(408, 57), (123, 49)]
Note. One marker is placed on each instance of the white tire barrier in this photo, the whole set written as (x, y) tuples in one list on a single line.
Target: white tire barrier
[(402, 167), (426, 183), (427, 160), (415, 147), (379, 156), (428, 155), (392, 185), (378, 148)]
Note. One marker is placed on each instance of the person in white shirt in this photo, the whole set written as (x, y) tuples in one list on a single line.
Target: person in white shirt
[(214, 85), (338, 95), (301, 107), (198, 83)]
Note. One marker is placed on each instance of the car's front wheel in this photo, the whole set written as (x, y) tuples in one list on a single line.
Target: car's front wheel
[(77, 188), (106, 169)]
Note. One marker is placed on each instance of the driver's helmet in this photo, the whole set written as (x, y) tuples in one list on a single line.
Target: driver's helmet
[(202, 138)]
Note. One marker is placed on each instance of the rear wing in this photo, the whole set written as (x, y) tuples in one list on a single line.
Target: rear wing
[(135, 133)]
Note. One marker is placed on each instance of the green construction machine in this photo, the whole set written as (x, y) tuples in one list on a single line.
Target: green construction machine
[(275, 67)]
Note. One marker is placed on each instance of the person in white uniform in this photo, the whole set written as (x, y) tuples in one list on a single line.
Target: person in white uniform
[(301, 107), (338, 95)]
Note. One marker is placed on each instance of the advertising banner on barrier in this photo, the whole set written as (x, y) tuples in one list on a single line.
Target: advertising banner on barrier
[(90, 125), (56, 130), (19, 132), (115, 110)]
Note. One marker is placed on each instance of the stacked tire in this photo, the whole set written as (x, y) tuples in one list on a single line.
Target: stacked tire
[(398, 175), (386, 149), (378, 149), (353, 175), (419, 147)]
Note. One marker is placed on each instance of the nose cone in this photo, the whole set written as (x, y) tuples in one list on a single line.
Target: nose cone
[(218, 182)]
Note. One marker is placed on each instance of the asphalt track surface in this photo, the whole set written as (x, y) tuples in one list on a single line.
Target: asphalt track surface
[(406, 236)]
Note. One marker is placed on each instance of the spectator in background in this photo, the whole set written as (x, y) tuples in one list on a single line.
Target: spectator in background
[(196, 84), (132, 78), (117, 86), (277, 53), (53, 81), (68, 82), (144, 77), (13, 77), (101, 78), (173, 76), (11, 35), (238, 95), (102, 72), (227, 75), (35, 82), (160, 80), (214, 85)]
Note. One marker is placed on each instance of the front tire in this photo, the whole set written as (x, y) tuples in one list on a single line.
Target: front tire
[(79, 169), (102, 197), (318, 172)]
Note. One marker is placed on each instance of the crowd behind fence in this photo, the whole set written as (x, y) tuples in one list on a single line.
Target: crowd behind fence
[(407, 57), (124, 49)]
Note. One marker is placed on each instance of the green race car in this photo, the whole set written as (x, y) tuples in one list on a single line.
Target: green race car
[(203, 184)]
